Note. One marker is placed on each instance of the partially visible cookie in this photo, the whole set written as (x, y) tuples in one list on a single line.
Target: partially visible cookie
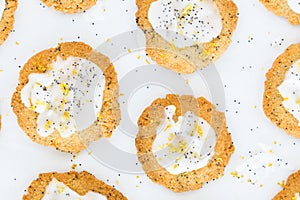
[(273, 100), (108, 118), (7, 19), (190, 58), (291, 189), (68, 6), (282, 8), (152, 117), (81, 183)]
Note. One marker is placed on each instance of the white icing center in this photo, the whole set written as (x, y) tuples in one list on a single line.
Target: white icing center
[(294, 5), (2, 7), (58, 191), (185, 22), (290, 90), (67, 97), (185, 145)]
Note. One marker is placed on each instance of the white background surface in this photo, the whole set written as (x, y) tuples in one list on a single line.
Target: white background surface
[(242, 69)]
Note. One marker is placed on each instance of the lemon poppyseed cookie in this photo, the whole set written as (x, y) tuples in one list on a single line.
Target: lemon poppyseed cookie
[(290, 9), (186, 35), (183, 142), (7, 11), (67, 97), (291, 190), (68, 6), (281, 101), (71, 185)]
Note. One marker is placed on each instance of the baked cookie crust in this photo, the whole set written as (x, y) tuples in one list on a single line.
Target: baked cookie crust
[(189, 59), (110, 112), (291, 187), (151, 119), (7, 19), (272, 100), (81, 183), (281, 8), (68, 6)]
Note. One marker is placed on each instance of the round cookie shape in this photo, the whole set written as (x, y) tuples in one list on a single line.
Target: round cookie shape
[(108, 118), (272, 100), (7, 19), (291, 188), (81, 183), (282, 8), (186, 181), (68, 6), (197, 56)]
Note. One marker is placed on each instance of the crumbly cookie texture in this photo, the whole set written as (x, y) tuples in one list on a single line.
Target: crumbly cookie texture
[(81, 183), (272, 100), (183, 182), (110, 112), (188, 59), (281, 8), (68, 6), (7, 19), (290, 189)]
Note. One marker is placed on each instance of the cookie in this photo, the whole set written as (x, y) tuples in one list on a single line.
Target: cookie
[(291, 189), (68, 6), (190, 58), (273, 100), (7, 19), (109, 113), (186, 181), (282, 8), (81, 183)]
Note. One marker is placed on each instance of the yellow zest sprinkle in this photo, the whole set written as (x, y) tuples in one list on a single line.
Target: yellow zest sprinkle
[(281, 184), (117, 182), (234, 174), (182, 146), (172, 135), (200, 132), (90, 152), (275, 142), (138, 57), (255, 106), (147, 61), (75, 72), (175, 166), (298, 64), (60, 38), (65, 88), (122, 94), (173, 46), (285, 99), (17, 43), (74, 166), (270, 164), (48, 125), (187, 81), (129, 50), (108, 39), (1, 70), (41, 68), (242, 157), (167, 127), (137, 177), (261, 185), (298, 101), (66, 115), (186, 11)]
